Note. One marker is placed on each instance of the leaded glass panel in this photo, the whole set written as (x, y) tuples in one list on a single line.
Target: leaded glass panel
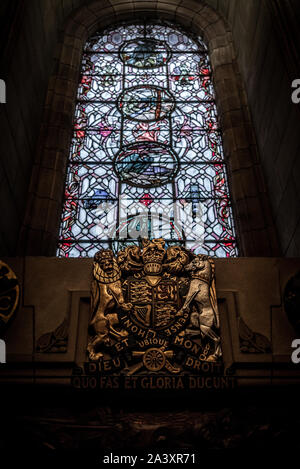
[(146, 155)]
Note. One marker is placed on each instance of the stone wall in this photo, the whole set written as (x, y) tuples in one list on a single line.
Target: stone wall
[(31, 31), (43, 411), (265, 40), (55, 300), (266, 37), (255, 227)]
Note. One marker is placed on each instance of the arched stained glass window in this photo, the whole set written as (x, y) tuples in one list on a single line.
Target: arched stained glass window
[(146, 157)]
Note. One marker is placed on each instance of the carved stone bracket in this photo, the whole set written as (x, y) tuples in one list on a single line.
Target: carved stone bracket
[(252, 342), (55, 341)]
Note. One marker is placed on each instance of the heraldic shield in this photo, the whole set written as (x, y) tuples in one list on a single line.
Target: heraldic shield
[(153, 309), (153, 306)]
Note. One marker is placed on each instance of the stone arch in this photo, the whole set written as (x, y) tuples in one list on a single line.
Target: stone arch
[(255, 227)]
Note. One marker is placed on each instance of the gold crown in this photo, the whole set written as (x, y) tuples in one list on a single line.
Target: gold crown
[(153, 254)]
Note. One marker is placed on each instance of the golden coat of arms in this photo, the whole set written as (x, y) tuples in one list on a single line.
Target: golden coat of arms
[(153, 309)]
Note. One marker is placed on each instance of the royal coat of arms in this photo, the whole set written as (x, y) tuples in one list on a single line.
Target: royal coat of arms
[(153, 309)]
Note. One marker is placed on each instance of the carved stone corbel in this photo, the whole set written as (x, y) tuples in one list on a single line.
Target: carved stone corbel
[(55, 341), (252, 342)]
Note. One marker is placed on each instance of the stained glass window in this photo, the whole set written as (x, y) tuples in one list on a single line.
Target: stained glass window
[(146, 157)]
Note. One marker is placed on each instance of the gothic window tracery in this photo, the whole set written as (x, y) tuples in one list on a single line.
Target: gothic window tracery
[(146, 156)]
